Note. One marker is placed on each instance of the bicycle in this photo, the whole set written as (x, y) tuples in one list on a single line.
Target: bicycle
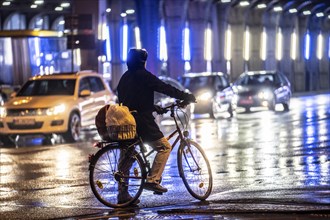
[(105, 177)]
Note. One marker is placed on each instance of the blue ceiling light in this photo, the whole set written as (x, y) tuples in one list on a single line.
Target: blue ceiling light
[(307, 45)]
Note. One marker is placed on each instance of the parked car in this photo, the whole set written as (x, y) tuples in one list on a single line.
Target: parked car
[(212, 91), (164, 100), (262, 89), (55, 104), (6, 91)]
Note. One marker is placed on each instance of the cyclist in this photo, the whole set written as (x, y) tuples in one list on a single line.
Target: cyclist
[(136, 91)]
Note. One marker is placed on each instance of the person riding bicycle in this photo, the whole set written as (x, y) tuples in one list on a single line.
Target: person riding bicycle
[(136, 91)]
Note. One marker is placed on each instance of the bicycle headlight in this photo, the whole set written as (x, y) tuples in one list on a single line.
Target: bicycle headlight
[(56, 110), (3, 112)]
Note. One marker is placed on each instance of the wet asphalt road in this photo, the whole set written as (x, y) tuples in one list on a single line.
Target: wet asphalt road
[(266, 165)]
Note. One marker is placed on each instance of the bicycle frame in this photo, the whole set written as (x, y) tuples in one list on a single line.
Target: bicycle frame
[(143, 150)]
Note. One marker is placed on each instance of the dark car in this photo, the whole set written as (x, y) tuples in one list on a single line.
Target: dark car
[(262, 89), (164, 100), (212, 91)]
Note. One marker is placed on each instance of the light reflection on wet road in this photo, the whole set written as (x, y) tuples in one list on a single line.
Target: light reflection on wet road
[(261, 150), (271, 149)]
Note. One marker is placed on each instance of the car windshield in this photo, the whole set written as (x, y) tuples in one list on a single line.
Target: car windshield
[(259, 79), (194, 83), (48, 87)]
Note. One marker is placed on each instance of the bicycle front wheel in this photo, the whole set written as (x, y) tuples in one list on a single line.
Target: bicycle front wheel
[(195, 170), (112, 171)]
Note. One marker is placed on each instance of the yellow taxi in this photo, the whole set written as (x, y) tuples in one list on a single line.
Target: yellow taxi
[(60, 104)]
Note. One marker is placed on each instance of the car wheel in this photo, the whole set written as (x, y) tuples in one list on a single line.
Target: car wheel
[(74, 128), (7, 141), (286, 106), (272, 105), (47, 140), (213, 112), (231, 111)]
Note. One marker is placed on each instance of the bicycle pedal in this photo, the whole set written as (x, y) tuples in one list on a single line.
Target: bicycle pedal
[(158, 193)]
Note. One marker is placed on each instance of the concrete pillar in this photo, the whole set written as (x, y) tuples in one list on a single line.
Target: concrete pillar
[(271, 26), (324, 62), (254, 22), (115, 22), (301, 76), (236, 20), (149, 21), (288, 26), (197, 12), (314, 25), (220, 18), (174, 24), (89, 56)]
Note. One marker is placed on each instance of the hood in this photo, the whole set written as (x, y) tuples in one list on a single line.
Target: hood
[(251, 89), (196, 90), (37, 101)]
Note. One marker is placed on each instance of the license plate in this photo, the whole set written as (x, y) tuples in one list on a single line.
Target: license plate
[(25, 121), (246, 101)]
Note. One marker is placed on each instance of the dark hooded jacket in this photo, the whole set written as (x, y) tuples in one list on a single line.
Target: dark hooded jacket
[(136, 91)]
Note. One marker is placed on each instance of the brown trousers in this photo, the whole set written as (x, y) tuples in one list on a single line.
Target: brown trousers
[(163, 149)]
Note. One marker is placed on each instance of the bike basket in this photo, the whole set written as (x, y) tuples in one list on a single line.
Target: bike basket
[(121, 132)]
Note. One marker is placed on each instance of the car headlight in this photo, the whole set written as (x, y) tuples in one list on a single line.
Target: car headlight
[(265, 95), (205, 96), (3, 112), (56, 110)]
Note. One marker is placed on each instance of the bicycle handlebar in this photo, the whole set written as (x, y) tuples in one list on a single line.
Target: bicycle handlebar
[(177, 103)]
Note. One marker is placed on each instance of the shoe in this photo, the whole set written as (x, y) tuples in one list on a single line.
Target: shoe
[(155, 187), (126, 197)]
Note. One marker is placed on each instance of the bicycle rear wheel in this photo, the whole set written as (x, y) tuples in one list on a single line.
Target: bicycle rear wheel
[(106, 177), (195, 170)]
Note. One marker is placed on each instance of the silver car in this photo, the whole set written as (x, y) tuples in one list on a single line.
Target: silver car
[(262, 89)]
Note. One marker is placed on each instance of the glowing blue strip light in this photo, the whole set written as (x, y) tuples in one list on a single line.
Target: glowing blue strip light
[(186, 45), (329, 48), (37, 50), (108, 44), (162, 44), (208, 44), (125, 42), (307, 46)]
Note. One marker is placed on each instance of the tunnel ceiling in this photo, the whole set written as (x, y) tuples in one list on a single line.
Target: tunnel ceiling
[(36, 6), (48, 6), (301, 6)]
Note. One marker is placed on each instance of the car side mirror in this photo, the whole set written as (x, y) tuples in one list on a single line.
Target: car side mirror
[(280, 84), (13, 94), (85, 93)]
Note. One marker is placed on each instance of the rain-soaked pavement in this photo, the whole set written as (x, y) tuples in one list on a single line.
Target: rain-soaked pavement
[(266, 165)]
